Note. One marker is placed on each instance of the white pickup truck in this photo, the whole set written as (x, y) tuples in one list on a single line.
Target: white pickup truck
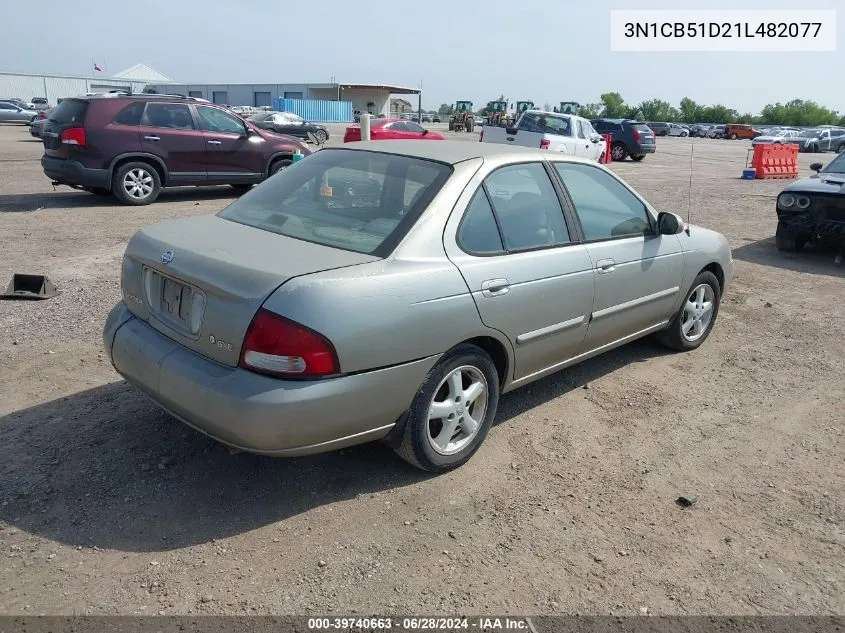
[(556, 132)]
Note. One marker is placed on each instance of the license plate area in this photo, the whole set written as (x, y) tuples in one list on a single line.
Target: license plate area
[(178, 305)]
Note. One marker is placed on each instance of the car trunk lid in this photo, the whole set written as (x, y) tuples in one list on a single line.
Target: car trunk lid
[(200, 280)]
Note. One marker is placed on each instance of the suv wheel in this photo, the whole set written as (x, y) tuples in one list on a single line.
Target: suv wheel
[(841, 148), (136, 183), (279, 165), (637, 157), (618, 152)]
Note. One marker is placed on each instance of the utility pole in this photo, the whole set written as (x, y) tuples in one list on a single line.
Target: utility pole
[(419, 103)]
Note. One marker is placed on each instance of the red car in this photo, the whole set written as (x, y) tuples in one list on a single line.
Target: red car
[(392, 130)]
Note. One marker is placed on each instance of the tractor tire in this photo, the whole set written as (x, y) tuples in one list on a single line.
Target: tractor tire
[(470, 126)]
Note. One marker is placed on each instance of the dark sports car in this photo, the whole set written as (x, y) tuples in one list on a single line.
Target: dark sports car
[(290, 124), (812, 210)]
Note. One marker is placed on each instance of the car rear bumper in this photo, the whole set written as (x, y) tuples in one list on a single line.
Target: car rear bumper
[(256, 413), (74, 173), (643, 149)]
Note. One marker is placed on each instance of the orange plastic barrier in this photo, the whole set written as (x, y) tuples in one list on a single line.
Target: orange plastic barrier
[(775, 161)]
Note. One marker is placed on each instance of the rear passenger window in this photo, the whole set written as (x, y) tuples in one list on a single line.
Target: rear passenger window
[(526, 205), (478, 233), (131, 114), (168, 115)]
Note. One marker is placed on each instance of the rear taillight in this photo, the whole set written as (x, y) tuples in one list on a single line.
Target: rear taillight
[(73, 136), (544, 143), (280, 347), (637, 136)]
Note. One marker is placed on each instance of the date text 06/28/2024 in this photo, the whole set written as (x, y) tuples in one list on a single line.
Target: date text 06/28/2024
[(726, 31)]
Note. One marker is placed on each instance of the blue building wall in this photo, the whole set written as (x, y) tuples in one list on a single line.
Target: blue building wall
[(316, 110)]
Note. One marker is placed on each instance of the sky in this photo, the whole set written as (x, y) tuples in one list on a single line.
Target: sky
[(544, 51)]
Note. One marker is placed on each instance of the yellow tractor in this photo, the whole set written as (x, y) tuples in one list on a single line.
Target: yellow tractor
[(497, 113), (521, 106), (462, 117), (569, 107)]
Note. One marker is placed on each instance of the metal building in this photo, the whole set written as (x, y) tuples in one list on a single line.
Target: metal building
[(53, 87), (372, 98)]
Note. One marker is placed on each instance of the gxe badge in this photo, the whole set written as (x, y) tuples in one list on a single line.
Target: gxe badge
[(166, 257)]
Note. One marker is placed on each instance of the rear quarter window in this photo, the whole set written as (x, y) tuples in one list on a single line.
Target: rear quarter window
[(131, 114), (69, 111)]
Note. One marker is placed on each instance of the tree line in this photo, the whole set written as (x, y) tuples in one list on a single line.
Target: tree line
[(797, 112)]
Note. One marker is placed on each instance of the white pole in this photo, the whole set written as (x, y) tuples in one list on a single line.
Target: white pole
[(365, 126)]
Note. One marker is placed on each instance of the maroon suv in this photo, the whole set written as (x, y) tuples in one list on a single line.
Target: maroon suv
[(133, 145)]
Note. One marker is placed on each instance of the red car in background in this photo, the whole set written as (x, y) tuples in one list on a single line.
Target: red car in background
[(392, 130)]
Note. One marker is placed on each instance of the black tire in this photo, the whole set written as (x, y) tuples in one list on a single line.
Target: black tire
[(470, 126), (241, 188), (815, 148), (322, 136), (787, 240), (99, 191), (673, 336), (278, 165), (451, 126), (143, 171), (841, 148), (637, 157), (416, 447), (618, 152)]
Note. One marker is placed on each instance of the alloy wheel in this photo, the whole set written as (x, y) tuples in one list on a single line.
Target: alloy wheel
[(457, 410), (698, 312), (138, 183)]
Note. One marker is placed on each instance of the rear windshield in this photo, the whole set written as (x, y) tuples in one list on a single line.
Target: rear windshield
[(69, 111), (261, 117), (642, 127), (348, 199)]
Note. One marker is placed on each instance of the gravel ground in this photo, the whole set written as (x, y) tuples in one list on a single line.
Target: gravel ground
[(108, 506)]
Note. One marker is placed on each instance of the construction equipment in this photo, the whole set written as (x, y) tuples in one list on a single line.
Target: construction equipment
[(569, 107), (462, 117), (497, 113), (521, 106)]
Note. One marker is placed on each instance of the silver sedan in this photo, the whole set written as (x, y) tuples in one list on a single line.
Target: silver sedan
[(12, 113), (394, 290)]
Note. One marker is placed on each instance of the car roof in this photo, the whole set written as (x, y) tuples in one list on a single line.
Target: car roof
[(450, 152)]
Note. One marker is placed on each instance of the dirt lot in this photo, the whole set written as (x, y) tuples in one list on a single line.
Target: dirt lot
[(108, 506)]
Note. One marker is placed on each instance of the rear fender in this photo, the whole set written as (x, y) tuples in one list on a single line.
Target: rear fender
[(141, 156)]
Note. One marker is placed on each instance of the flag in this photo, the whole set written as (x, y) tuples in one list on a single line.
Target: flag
[(97, 68)]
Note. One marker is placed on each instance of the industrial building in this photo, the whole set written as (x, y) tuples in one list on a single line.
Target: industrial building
[(54, 87), (313, 101), (372, 98)]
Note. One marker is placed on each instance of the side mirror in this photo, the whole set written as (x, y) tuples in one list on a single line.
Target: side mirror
[(670, 224), (424, 132), (816, 167)]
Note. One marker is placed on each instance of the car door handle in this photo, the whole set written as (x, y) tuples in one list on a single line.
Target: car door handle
[(215, 142), (604, 266), (495, 287), (152, 138)]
